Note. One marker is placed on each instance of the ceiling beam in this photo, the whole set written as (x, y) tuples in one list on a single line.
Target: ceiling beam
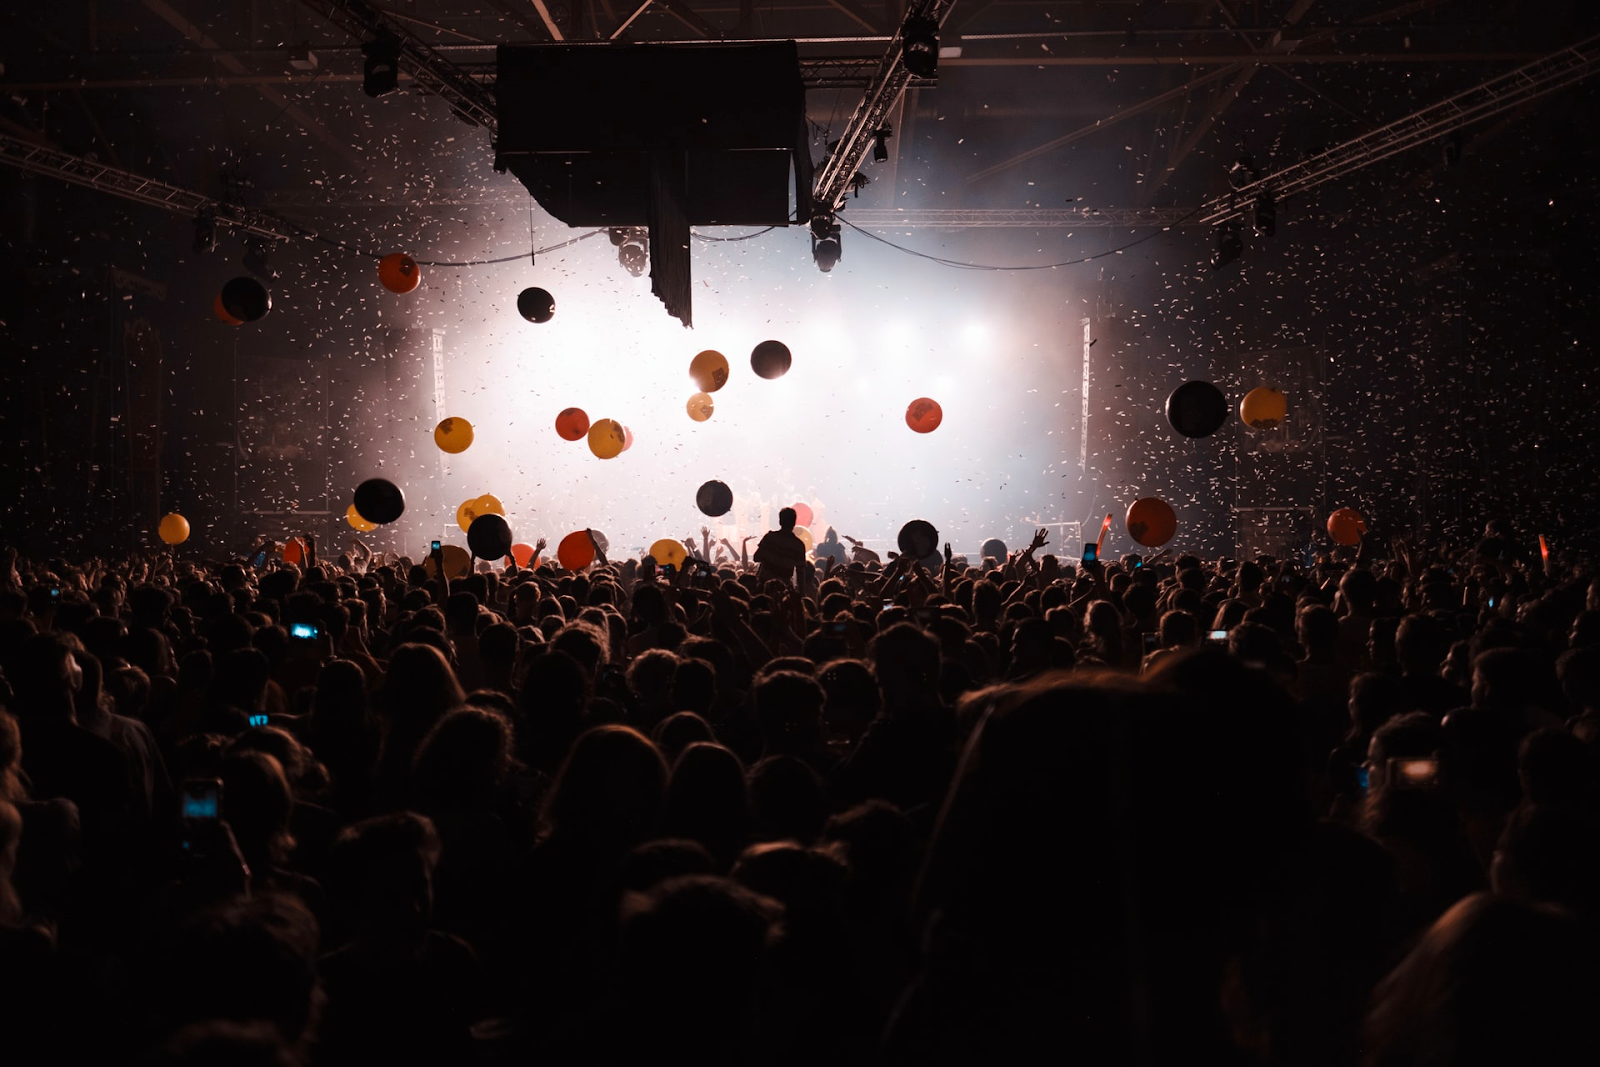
[(856, 13), (549, 23)]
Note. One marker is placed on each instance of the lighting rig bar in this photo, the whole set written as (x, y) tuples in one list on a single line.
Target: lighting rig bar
[(468, 98), (883, 92), (1023, 219), (42, 159), (1494, 97)]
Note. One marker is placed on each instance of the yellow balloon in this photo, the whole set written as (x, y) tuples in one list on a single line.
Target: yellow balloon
[(453, 435), (457, 562), (805, 538), (607, 438), (489, 504), (353, 517), (700, 407), (466, 513), (174, 529), (1263, 408), (709, 370), (668, 551)]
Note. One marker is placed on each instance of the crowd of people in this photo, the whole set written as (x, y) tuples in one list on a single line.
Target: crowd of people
[(769, 811)]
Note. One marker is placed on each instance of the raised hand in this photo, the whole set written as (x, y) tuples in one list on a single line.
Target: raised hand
[(1040, 539), (538, 546)]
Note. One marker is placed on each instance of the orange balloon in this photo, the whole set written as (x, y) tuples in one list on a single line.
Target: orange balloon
[(1346, 526), (221, 312), (607, 438), (399, 273), (1263, 408), (700, 407), (453, 435), (709, 370), (575, 551), (803, 514), (469, 510), (522, 553), (294, 551), (457, 562), (572, 424), (924, 415), (1151, 522)]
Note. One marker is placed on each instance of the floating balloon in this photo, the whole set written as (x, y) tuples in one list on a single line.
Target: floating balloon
[(246, 299), (174, 529), (700, 407), (1263, 408), (399, 273), (924, 415), (607, 439), (575, 551), (771, 359), (709, 370), (806, 538), (380, 500), (453, 435), (714, 498), (918, 539), (489, 537), (572, 423), (361, 525), (803, 514), (294, 551), (489, 504), (457, 562), (1151, 522), (601, 541), (536, 305), (1197, 409), (1346, 526), (522, 553), (994, 548), (468, 511), (221, 312), (668, 552), (627, 438)]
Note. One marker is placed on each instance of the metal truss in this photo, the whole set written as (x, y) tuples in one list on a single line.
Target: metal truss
[(1494, 97), (467, 97), (1026, 218), (883, 92), (42, 159)]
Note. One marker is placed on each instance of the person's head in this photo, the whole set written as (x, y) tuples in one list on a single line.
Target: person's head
[(224, 1043), (1412, 737), (1359, 588), (707, 801), (1420, 645), (905, 661), (11, 779), (1493, 981), (1179, 629), (1579, 674), (1548, 854), (649, 680), (45, 676), (1317, 629), (607, 794), (789, 711), (678, 731), (586, 643), (464, 761), (1506, 679), (787, 518), (258, 804), (694, 687), (381, 875), (787, 800), (851, 697), (418, 688), (1555, 767), (1374, 700)]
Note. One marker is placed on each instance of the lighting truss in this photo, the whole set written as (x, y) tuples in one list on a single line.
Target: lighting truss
[(41, 159)]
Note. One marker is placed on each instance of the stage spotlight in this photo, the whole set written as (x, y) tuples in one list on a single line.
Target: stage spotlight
[(205, 232), (381, 72), (633, 248), (880, 144), (1230, 246), (1264, 218), (254, 259), (825, 246), (1453, 146), (1243, 172), (919, 46)]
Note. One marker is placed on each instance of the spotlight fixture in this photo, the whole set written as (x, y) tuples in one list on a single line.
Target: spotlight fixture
[(880, 144), (1243, 172), (381, 71), (205, 232), (825, 247), (1230, 246), (633, 248), (1453, 145), (919, 46), (255, 261), (1264, 217)]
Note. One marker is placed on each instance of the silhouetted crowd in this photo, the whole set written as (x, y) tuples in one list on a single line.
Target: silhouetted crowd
[(1022, 810)]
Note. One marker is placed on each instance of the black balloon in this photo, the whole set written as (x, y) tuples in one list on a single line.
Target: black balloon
[(918, 539), (536, 305), (489, 537), (714, 499), (1197, 409), (771, 359), (248, 300), (379, 500), (995, 548)]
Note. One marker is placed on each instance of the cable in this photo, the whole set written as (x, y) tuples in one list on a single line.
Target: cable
[(959, 264), (347, 247), (742, 237)]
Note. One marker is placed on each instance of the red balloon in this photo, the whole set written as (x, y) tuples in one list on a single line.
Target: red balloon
[(522, 553), (294, 551), (924, 415), (1151, 522), (1346, 526), (399, 273), (627, 438), (803, 515), (575, 551), (221, 312), (572, 424)]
